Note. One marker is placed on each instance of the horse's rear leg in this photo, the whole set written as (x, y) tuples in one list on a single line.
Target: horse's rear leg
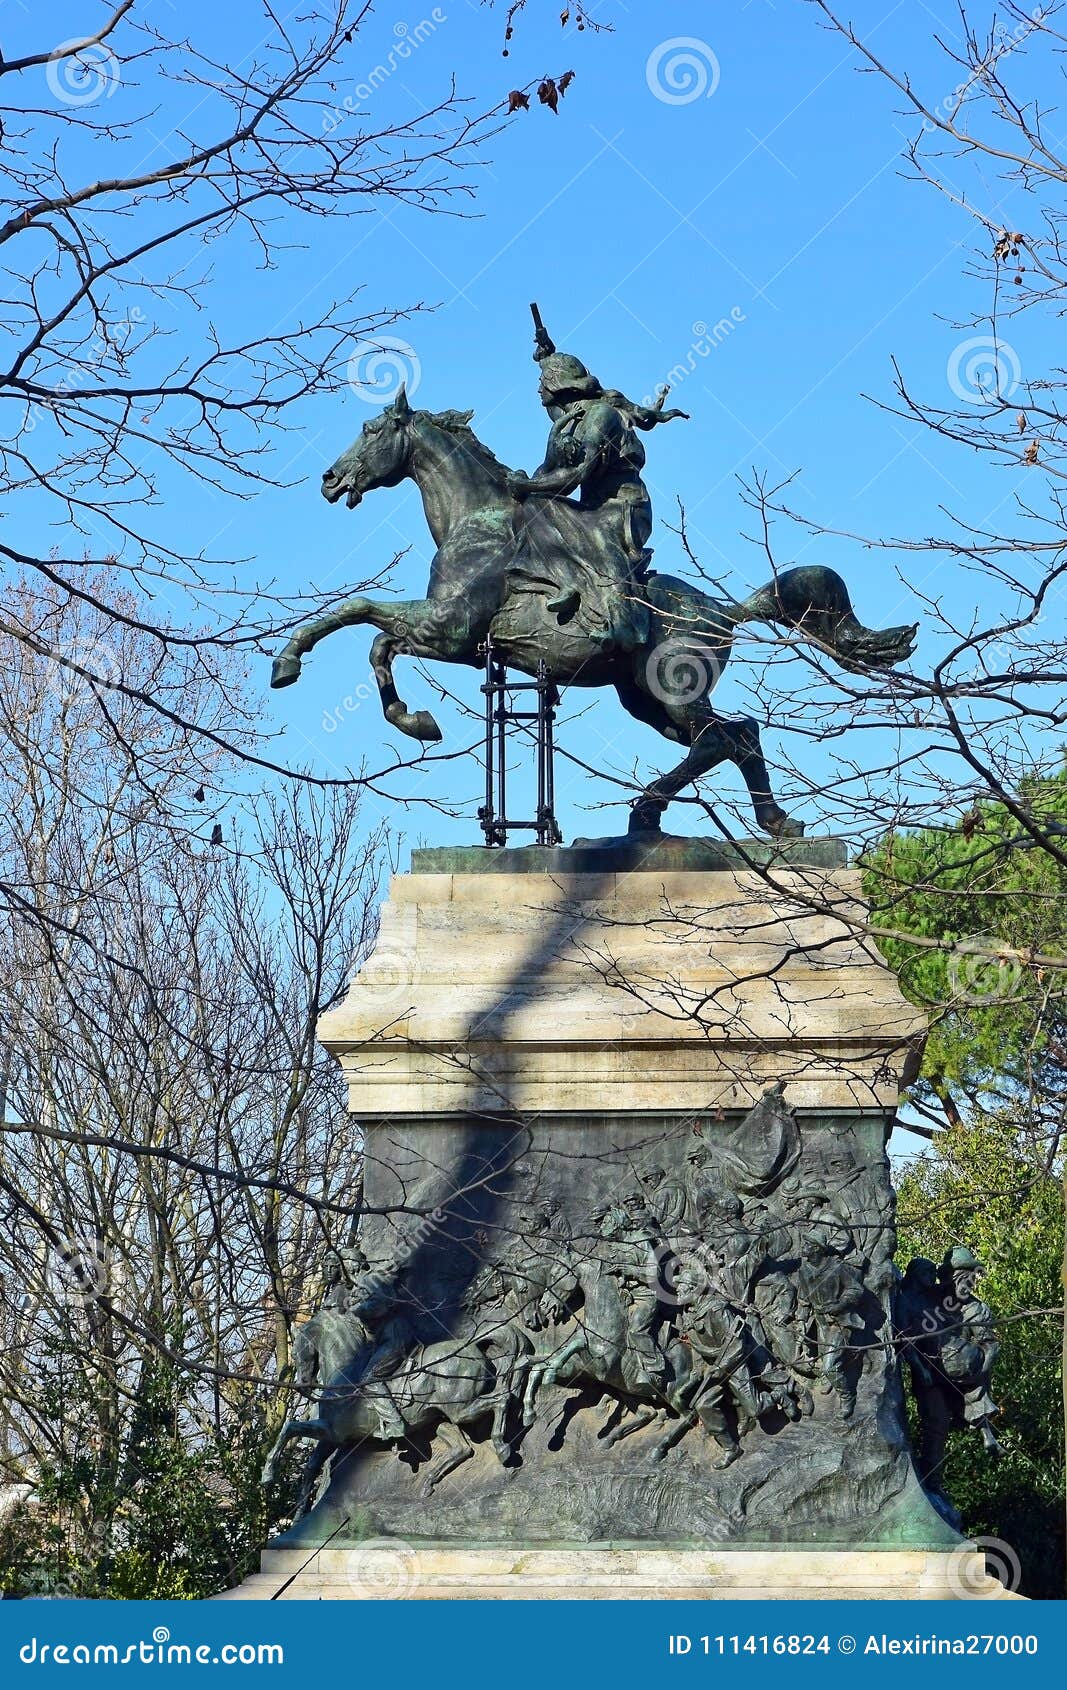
[(312, 1473), (714, 739), (631, 1423), (674, 1434)]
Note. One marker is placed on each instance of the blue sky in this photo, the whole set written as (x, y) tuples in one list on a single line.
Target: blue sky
[(772, 201)]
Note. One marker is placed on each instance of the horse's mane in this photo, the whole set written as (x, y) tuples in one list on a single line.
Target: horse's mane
[(457, 423)]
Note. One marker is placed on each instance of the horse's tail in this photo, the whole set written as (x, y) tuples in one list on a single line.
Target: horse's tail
[(814, 600)]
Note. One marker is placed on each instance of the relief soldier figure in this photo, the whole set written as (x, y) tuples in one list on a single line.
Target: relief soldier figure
[(666, 1198), (949, 1341), (831, 1296), (630, 1250)]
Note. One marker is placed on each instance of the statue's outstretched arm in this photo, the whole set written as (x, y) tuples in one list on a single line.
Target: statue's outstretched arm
[(644, 416)]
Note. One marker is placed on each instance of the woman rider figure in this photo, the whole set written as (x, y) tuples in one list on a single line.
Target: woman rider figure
[(593, 448)]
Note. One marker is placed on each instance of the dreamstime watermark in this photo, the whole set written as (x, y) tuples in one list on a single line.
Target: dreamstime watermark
[(706, 339), (1004, 41), (379, 368), (409, 38), (983, 370), (386, 978), (978, 975), (682, 70), (110, 341), (79, 74), (158, 1650), (968, 1579), (680, 1276), (381, 1569), (682, 669), (42, 1584), (88, 666), (334, 718)]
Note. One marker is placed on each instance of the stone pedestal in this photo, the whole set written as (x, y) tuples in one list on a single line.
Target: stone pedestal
[(581, 1188), (623, 1573)]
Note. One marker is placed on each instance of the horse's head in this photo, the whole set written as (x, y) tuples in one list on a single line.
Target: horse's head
[(378, 457)]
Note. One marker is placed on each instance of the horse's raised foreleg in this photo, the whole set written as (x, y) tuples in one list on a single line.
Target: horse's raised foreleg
[(814, 600), (413, 626), (286, 666)]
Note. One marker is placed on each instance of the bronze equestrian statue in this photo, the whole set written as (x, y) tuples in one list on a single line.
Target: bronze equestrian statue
[(547, 576)]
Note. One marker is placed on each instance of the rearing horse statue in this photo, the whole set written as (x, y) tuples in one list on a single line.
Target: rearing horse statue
[(512, 568)]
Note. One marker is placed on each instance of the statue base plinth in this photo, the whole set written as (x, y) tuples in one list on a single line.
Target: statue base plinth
[(621, 1317), (394, 1571)]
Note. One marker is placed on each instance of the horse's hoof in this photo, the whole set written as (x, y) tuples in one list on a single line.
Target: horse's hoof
[(417, 724), (284, 671), (425, 728), (726, 1459), (782, 826)]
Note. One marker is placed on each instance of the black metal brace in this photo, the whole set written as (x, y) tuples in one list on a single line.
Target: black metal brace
[(499, 713)]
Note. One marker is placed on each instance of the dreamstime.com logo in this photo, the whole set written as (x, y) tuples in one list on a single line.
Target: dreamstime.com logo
[(680, 1277), (969, 1576), (682, 669), (408, 39), (81, 1269), (378, 368), (382, 1569), (80, 77), (85, 668), (977, 975), (682, 70), (387, 978), (158, 1650), (984, 370)]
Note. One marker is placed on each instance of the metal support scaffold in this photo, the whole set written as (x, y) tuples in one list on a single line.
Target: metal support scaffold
[(500, 714)]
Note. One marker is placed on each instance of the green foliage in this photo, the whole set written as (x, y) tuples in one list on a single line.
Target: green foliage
[(973, 918), (180, 1514), (979, 1186), (993, 903)]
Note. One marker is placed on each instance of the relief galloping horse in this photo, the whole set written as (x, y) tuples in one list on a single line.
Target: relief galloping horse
[(517, 569)]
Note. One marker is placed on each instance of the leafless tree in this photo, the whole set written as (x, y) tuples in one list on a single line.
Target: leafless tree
[(131, 160), (174, 1152)]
